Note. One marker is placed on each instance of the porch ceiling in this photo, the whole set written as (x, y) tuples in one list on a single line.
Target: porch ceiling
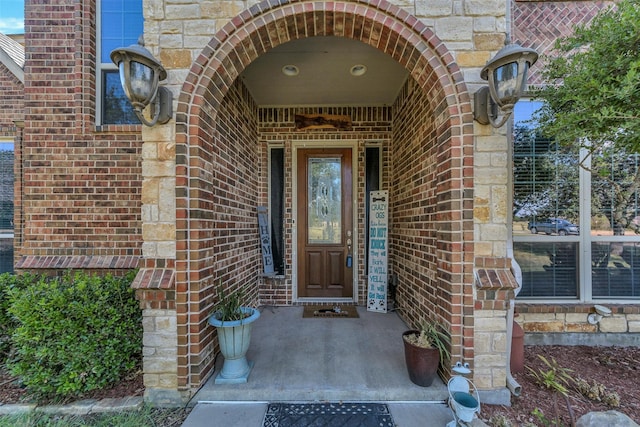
[(324, 77)]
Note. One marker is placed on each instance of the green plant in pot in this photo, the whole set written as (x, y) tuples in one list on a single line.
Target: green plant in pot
[(233, 322), (424, 350)]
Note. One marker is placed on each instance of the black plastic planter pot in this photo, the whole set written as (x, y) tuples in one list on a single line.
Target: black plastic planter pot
[(422, 363)]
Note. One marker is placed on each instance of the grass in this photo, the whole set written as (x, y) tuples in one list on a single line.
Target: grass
[(146, 417)]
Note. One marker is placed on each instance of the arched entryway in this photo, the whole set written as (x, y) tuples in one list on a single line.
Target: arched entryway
[(221, 169)]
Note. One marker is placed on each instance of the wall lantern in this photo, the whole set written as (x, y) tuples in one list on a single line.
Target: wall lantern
[(507, 76), (140, 74)]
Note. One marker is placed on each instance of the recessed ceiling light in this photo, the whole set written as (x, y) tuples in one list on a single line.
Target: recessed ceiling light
[(358, 70), (290, 70)]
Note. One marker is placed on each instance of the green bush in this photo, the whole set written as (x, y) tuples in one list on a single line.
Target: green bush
[(75, 334), (9, 282)]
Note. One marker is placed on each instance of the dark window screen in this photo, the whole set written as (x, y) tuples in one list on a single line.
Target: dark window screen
[(6, 187), (6, 255), (116, 108), (277, 208)]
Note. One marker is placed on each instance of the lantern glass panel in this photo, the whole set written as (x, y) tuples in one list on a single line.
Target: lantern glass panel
[(506, 81), (141, 81)]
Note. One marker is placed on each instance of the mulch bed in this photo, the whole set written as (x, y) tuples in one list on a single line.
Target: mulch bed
[(615, 368), (12, 392)]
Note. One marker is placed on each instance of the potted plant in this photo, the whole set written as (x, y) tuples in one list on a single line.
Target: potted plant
[(424, 350), (233, 323)]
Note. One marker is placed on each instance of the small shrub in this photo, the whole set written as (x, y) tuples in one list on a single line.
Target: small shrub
[(556, 379), (500, 420), (75, 334), (611, 399), (597, 392), (8, 282), (542, 419)]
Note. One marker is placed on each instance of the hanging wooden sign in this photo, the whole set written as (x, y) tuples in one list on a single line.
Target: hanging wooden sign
[(378, 254), (322, 121), (265, 241)]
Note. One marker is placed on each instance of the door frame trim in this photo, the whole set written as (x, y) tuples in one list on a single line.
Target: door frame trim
[(301, 145)]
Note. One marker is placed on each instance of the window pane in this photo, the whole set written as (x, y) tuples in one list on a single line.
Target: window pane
[(6, 187), (324, 193), (614, 195), (549, 269), (122, 24), (546, 180), (6, 255), (116, 108), (615, 269)]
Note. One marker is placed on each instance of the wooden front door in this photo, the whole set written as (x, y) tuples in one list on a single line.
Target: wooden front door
[(325, 233)]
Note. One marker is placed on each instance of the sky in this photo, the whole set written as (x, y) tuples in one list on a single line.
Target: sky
[(12, 16)]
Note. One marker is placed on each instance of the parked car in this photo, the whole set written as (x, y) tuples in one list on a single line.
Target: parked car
[(562, 227)]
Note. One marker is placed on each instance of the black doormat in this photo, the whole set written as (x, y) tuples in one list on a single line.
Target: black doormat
[(328, 415)]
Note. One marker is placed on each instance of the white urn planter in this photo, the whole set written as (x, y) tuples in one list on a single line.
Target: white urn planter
[(234, 337)]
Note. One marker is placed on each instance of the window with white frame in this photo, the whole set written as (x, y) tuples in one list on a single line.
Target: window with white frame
[(120, 24), (576, 217)]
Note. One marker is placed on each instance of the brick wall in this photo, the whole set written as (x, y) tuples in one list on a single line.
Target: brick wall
[(11, 102), (277, 126), (445, 106), (11, 111), (82, 187), (429, 226), (537, 24), (220, 245)]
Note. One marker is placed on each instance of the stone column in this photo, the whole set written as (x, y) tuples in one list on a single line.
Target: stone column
[(155, 284)]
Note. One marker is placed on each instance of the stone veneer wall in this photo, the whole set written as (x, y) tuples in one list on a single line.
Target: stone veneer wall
[(572, 318), (155, 289)]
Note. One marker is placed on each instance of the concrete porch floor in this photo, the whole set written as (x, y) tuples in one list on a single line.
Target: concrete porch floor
[(322, 359)]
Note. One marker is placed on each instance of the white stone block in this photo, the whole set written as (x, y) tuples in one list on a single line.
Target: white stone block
[(485, 7), (493, 232), (149, 250), (634, 326), (183, 11), (491, 360), (484, 24), (499, 342), (482, 343), (613, 324), (491, 176), (494, 324), (455, 28), (159, 365), (433, 8)]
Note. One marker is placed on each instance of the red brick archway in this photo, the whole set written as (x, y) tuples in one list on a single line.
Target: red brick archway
[(249, 35)]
